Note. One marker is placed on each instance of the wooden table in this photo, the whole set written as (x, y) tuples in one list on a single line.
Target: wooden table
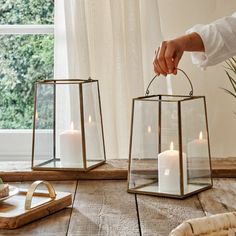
[(103, 207)]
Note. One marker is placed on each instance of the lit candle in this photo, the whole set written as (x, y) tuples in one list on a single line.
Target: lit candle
[(197, 152), (149, 129), (198, 147), (71, 147), (169, 171), (90, 119), (150, 143)]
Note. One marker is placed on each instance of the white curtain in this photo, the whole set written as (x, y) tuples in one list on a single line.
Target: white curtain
[(112, 41)]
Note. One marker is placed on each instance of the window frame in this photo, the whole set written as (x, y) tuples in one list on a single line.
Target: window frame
[(17, 143)]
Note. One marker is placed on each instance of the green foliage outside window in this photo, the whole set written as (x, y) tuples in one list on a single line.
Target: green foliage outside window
[(24, 59)]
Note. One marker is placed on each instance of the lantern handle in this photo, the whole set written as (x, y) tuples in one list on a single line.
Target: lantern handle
[(191, 85)]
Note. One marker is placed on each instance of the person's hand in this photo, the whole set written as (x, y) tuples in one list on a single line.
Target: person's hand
[(168, 55)]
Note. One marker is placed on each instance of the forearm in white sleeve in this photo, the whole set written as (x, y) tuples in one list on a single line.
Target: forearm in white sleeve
[(219, 39)]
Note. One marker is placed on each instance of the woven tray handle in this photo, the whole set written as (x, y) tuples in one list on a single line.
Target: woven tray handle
[(31, 191)]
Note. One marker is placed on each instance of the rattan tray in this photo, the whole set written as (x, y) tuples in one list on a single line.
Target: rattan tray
[(27, 206), (216, 225)]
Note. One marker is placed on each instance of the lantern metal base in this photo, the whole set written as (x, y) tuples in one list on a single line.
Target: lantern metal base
[(153, 189), (55, 164)]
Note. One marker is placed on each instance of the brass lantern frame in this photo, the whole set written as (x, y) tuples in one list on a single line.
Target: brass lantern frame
[(54, 160), (159, 99)]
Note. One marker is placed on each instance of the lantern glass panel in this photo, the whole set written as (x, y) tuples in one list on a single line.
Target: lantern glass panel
[(92, 124), (144, 149), (68, 134), (165, 157), (68, 130), (44, 123), (155, 129), (195, 144), (169, 155)]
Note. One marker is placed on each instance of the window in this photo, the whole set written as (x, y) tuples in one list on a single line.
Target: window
[(26, 55)]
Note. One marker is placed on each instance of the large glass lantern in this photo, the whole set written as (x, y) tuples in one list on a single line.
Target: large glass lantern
[(68, 129), (169, 145)]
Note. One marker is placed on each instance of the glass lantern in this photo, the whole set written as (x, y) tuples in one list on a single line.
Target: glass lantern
[(67, 129), (169, 145)]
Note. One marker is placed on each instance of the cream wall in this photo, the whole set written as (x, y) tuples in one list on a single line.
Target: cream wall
[(176, 17)]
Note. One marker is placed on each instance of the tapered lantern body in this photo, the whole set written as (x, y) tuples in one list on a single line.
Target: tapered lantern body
[(68, 129), (169, 146)]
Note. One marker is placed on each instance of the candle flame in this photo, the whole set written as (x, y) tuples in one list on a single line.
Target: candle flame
[(90, 118), (36, 115), (171, 146), (200, 135), (149, 129), (72, 125)]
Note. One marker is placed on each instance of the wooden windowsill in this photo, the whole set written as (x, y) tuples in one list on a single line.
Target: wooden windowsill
[(113, 169)]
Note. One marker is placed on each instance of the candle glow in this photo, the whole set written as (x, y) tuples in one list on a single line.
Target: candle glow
[(72, 125), (149, 129), (200, 136), (90, 119), (167, 172)]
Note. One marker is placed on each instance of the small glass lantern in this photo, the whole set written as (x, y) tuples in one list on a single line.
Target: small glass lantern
[(169, 145), (68, 129)]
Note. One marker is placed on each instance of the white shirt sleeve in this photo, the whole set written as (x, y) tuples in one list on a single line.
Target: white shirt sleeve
[(219, 39)]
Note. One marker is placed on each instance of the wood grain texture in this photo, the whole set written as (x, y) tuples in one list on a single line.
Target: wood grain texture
[(103, 208), (113, 169), (21, 171), (224, 167), (158, 215), (221, 198), (55, 224)]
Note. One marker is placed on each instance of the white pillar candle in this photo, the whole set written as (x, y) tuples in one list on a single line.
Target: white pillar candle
[(198, 147), (169, 171), (71, 147), (197, 151)]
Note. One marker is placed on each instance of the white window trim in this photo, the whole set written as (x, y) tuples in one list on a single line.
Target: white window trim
[(26, 29), (16, 144)]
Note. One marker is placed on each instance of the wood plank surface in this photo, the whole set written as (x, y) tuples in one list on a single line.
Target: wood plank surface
[(55, 224), (21, 171), (158, 215), (103, 208), (221, 198), (113, 169)]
